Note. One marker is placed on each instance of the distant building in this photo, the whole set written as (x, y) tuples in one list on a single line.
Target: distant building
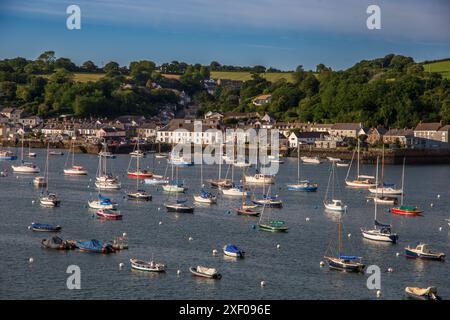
[(110, 133), (404, 137), (31, 121), (375, 135), (262, 99), (427, 130), (298, 138), (148, 130), (350, 130)]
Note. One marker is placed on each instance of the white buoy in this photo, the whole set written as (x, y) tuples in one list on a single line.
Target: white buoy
[(278, 246), (432, 205), (390, 269), (263, 283), (378, 293), (160, 223), (438, 196), (440, 228), (178, 272), (307, 219), (159, 208), (124, 234), (349, 235), (190, 238), (29, 227), (121, 265), (367, 200), (30, 260), (397, 254), (322, 263), (32, 201), (214, 252)]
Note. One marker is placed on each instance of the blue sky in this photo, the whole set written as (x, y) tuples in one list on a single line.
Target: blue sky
[(278, 33)]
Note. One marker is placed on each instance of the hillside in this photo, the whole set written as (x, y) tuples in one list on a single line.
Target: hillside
[(244, 75), (442, 67)]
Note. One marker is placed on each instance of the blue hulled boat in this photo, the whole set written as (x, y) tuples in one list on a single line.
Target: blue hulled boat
[(233, 251), (94, 246), (43, 227), (304, 185)]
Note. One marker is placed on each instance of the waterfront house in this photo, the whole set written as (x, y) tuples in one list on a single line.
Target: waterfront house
[(31, 121), (297, 138), (427, 130), (321, 127), (110, 133), (403, 137), (375, 135), (443, 134), (147, 130), (14, 115), (350, 130), (189, 131)]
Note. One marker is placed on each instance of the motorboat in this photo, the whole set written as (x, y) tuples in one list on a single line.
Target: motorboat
[(310, 160), (423, 251), (174, 186), (335, 205), (236, 191), (233, 251), (7, 155), (94, 246), (205, 197), (107, 154), (179, 206), (44, 227), (149, 266), (386, 190), (429, 293), (57, 243), (268, 201), (205, 272), (139, 195), (303, 185), (156, 180), (259, 178), (273, 226), (49, 200)]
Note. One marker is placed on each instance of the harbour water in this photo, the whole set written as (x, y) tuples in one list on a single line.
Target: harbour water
[(290, 272)]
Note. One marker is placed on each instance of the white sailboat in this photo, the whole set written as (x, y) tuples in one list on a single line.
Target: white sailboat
[(332, 203), (48, 199), (361, 181), (105, 180), (25, 167), (302, 185), (204, 196), (137, 155), (380, 232), (220, 182), (385, 189), (74, 170), (311, 160), (138, 194), (236, 190)]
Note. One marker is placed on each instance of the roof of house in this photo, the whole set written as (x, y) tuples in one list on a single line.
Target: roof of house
[(445, 128), (380, 130), (346, 126), (262, 97), (400, 132), (309, 134), (428, 126)]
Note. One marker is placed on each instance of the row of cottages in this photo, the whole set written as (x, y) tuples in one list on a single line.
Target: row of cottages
[(434, 133), (189, 131), (297, 138)]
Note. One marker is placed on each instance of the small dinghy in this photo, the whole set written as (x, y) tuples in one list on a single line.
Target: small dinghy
[(342, 164), (94, 246), (423, 251), (273, 226), (109, 214), (429, 293), (233, 251), (205, 272), (147, 266), (43, 227), (385, 200), (57, 243), (49, 200), (268, 201), (56, 153), (406, 210), (311, 160)]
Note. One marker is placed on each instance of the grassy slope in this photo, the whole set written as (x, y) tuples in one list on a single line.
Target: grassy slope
[(442, 67), (85, 77)]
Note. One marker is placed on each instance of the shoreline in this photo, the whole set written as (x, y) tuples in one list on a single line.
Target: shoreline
[(391, 156)]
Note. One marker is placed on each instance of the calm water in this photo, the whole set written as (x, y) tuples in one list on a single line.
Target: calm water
[(291, 272)]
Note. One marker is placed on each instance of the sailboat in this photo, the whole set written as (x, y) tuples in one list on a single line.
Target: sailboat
[(403, 209), (204, 197), (361, 181), (48, 199), (179, 205), (221, 183), (302, 185), (74, 170), (271, 224), (174, 185), (102, 203), (7, 155), (380, 232), (25, 167), (137, 154), (105, 180), (333, 203), (235, 190), (139, 194), (31, 154), (246, 209), (341, 261), (384, 189), (157, 179)]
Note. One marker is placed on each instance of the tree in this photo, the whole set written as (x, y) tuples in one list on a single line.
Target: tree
[(111, 67), (89, 66), (65, 63)]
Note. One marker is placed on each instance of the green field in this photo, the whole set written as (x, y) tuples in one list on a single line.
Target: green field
[(442, 67), (244, 75), (86, 77)]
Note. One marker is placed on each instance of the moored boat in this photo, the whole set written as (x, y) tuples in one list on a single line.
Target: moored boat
[(205, 197), (156, 180), (149, 266), (268, 201), (429, 293), (56, 153), (75, 171), (175, 186), (109, 214), (345, 263), (7, 155), (233, 251), (342, 164), (57, 243), (94, 246), (385, 200), (205, 272), (102, 203), (406, 210), (49, 199), (423, 251), (304, 185), (40, 181), (44, 227), (178, 206), (259, 178), (235, 191), (247, 212), (335, 205), (311, 160), (139, 195), (273, 226), (25, 167)]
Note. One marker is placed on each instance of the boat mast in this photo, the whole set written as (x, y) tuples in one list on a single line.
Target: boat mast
[(403, 181), (357, 167), (21, 154), (46, 168), (350, 166), (376, 191), (339, 236), (73, 152), (298, 164), (382, 175)]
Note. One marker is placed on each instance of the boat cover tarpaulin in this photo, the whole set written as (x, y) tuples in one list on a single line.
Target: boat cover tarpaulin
[(382, 226), (206, 270), (232, 248), (93, 245), (349, 257)]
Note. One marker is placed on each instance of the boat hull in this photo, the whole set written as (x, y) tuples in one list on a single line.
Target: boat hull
[(397, 210), (247, 212), (359, 184), (200, 199), (377, 236), (301, 187), (204, 275), (25, 169), (271, 228), (179, 209), (268, 203), (140, 175), (409, 253), (339, 264), (75, 172)]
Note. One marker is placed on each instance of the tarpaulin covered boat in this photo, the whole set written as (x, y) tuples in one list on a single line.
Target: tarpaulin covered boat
[(44, 227), (94, 246), (57, 243)]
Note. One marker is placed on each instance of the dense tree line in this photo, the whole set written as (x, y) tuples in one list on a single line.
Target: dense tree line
[(389, 91)]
